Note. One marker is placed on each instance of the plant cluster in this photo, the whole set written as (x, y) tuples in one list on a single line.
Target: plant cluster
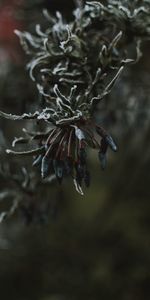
[(74, 65)]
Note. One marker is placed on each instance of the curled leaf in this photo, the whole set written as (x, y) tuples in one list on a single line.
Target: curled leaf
[(27, 153), (25, 116), (78, 187)]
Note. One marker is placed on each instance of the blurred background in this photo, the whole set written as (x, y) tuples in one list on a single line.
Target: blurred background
[(91, 247)]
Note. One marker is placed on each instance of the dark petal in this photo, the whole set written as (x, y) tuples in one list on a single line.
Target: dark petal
[(107, 138), (79, 179), (59, 169), (45, 166), (102, 158), (79, 133), (111, 143), (82, 156), (103, 146), (87, 178), (79, 173), (68, 166), (80, 170)]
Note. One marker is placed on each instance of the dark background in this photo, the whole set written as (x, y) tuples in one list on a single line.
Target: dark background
[(96, 246)]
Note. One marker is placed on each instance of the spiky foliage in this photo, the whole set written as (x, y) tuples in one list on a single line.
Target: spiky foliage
[(75, 65), (23, 190), (130, 16)]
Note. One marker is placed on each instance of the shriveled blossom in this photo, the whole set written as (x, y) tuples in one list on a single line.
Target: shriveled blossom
[(74, 66), (62, 148)]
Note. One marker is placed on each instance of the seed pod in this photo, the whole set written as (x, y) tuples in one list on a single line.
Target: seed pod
[(111, 143), (45, 166)]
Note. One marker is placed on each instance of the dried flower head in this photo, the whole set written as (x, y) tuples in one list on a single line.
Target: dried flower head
[(75, 65)]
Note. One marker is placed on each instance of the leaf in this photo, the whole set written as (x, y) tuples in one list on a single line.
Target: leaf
[(24, 116), (6, 214), (113, 81), (39, 31), (115, 41), (37, 161), (20, 140), (3, 216), (34, 63), (78, 187), (60, 95), (63, 121), (48, 16), (27, 153)]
